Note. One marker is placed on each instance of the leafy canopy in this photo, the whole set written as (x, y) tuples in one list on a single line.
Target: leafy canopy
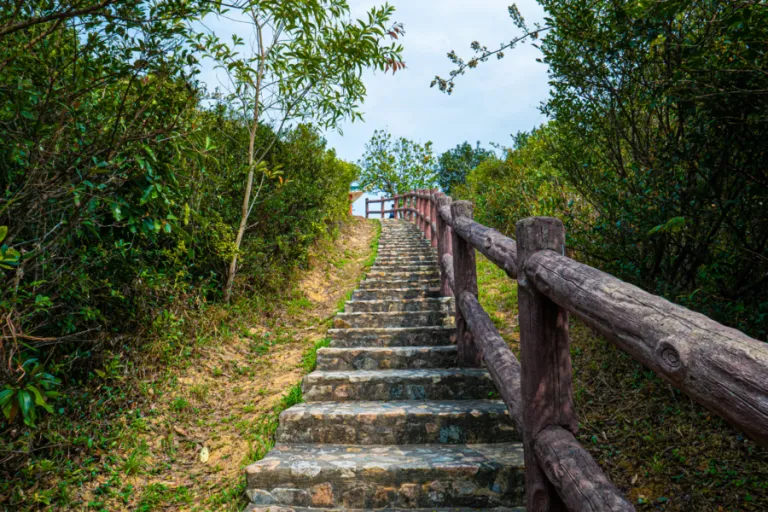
[(396, 166), (454, 164)]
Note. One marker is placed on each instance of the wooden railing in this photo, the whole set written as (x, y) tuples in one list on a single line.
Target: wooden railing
[(721, 368)]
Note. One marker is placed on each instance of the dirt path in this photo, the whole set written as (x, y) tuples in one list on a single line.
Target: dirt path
[(218, 413)]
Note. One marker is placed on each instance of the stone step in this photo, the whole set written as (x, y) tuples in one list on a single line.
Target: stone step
[(396, 275), (414, 422), (404, 267), (421, 384), (404, 242), (406, 257), (386, 284), (375, 477), (396, 251), (445, 304), (422, 292), (393, 319), (386, 358), (392, 337), (281, 508)]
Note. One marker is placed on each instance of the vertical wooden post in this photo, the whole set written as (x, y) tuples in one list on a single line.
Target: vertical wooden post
[(433, 215), (367, 200), (545, 359), (419, 203), (465, 277), (408, 201), (382, 208), (443, 244), (425, 212)]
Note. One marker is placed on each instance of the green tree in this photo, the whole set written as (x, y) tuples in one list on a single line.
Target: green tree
[(301, 62), (395, 166), (454, 164), (660, 124)]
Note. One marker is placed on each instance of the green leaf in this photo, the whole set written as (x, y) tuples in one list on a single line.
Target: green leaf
[(6, 395), (39, 399), (27, 407), (3, 232)]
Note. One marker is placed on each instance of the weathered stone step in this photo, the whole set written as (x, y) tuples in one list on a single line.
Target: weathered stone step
[(407, 257), (425, 250), (280, 508), (395, 275), (374, 477), (422, 292), (414, 422), (404, 244), (393, 319), (422, 384), (386, 358), (403, 267), (373, 306), (384, 284), (392, 337)]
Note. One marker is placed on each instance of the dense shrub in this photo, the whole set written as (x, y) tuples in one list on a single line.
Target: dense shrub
[(120, 191), (657, 121)]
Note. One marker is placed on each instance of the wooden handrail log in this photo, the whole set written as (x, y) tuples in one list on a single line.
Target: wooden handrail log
[(721, 368), (446, 263), (445, 213), (498, 248), (499, 359), (579, 481)]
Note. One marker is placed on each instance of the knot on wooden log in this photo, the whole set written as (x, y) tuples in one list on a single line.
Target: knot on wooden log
[(670, 357)]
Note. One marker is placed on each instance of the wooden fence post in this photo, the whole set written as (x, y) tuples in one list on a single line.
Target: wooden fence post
[(366, 207), (419, 208), (409, 204), (443, 244), (382, 208), (433, 215), (545, 360), (465, 277)]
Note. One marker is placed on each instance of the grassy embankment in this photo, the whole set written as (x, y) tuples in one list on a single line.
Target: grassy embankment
[(174, 430), (659, 447)]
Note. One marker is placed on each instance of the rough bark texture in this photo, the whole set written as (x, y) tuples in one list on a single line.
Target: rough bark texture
[(546, 360), (465, 275), (721, 368), (445, 214), (579, 481), (498, 248), (446, 263), (433, 215), (499, 359), (444, 248)]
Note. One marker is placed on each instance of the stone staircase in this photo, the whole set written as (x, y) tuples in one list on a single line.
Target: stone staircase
[(389, 421)]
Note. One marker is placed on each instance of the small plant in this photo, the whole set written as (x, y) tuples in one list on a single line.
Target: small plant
[(180, 404), (9, 257), (28, 393), (309, 360)]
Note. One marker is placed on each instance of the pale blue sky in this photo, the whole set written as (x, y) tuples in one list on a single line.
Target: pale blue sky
[(489, 103)]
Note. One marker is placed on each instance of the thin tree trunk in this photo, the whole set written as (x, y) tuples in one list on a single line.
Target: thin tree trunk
[(251, 168)]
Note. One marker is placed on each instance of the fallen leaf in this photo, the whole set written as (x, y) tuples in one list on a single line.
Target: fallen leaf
[(204, 454)]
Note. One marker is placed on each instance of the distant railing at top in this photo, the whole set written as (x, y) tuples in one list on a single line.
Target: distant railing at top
[(721, 368)]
